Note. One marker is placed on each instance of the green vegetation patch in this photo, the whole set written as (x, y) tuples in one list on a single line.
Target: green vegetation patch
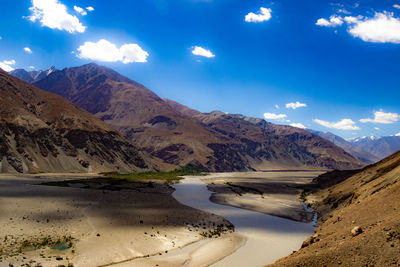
[(167, 177), (64, 242)]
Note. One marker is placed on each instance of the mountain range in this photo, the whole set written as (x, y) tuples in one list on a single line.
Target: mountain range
[(173, 135), (43, 132), (357, 151), (32, 76), (379, 146)]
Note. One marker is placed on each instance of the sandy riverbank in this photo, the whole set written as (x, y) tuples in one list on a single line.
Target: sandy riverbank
[(100, 226), (275, 193)]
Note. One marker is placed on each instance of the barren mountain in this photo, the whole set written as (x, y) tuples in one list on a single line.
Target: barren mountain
[(269, 145), (381, 147), (176, 135), (43, 132), (360, 219), (32, 76), (357, 151)]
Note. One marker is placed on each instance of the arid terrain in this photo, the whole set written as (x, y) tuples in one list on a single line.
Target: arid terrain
[(89, 220), (93, 223), (360, 219), (276, 192)]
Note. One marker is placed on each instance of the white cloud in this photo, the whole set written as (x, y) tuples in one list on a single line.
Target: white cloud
[(80, 10), (345, 124), (396, 6), (382, 117), (28, 50), (90, 8), (53, 14), (273, 116), (32, 67), (298, 125), (332, 22), (382, 28), (277, 106), (295, 105), (105, 51), (376, 128), (264, 14), (200, 51), (398, 134), (5, 65)]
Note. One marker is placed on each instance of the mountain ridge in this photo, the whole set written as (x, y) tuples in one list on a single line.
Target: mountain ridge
[(175, 135), (43, 132)]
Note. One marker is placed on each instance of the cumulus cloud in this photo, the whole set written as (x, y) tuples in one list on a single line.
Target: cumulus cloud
[(345, 124), (90, 8), (382, 28), (273, 116), (200, 51), (53, 14), (106, 51), (396, 6), (383, 117), (28, 50), (6, 65), (298, 125), (295, 105), (398, 134), (80, 10), (264, 14), (332, 22)]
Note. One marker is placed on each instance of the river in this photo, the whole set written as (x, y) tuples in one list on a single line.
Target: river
[(268, 237)]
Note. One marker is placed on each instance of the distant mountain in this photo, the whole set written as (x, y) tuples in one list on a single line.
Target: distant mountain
[(356, 151), (381, 147), (43, 132), (175, 135), (270, 144), (32, 76)]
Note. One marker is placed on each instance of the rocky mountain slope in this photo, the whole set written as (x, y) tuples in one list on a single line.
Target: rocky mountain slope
[(32, 76), (175, 135), (269, 145), (357, 151), (360, 219), (381, 147), (43, 132)]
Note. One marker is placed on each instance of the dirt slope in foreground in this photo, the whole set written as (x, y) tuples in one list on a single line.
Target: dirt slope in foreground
[(370, 199)]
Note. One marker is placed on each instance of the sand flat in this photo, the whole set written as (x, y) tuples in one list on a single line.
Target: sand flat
[(106, 226), (275, 193)]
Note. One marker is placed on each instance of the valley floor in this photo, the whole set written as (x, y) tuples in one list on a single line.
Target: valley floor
[(92, 227), (94, 222)]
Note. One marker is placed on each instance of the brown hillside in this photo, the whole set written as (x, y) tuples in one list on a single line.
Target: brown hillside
[(369, 199), (43, 132)]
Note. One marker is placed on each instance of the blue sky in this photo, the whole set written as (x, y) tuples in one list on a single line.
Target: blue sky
[(340, 58)]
